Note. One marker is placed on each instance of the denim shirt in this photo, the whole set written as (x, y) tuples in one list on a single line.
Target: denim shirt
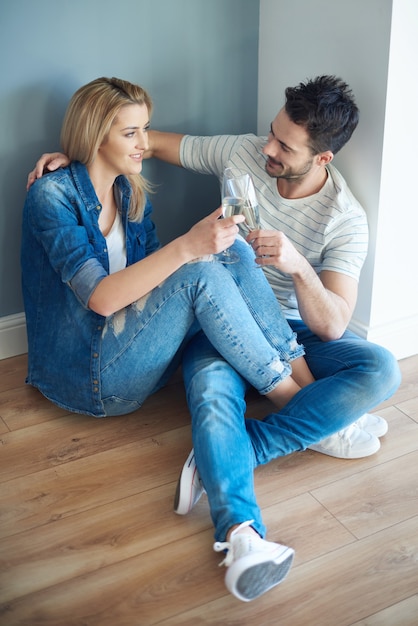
[(63, 259)]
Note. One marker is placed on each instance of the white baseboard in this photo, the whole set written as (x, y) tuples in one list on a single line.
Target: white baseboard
[(13, 339), (399, 336)]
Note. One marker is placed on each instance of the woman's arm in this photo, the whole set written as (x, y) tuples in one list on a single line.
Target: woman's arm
[(51, 212), (208, 236)]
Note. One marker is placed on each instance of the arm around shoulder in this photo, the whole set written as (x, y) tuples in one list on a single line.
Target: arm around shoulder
[(48, 162), (164, 146)]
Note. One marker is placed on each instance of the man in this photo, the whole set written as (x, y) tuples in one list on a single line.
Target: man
[(312, 245)]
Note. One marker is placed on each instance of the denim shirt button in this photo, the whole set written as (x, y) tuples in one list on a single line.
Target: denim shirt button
[(95, 355), (96, 389)]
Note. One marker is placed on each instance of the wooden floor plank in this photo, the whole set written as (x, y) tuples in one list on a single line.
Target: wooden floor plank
[(68, 489), (89, 541), (13, 372), (402, 614), (73, 436), (379, 497)]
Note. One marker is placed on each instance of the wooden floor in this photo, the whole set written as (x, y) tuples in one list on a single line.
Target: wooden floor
[(88, 536)]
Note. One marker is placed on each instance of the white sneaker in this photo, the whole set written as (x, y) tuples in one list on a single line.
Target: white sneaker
[(254, 565), (189, 487), (350, 443), (373, 424)]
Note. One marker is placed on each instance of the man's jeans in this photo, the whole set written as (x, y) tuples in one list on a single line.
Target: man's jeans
[(353, 375)]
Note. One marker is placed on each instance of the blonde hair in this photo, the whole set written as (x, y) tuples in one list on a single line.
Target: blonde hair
[(87, 122)]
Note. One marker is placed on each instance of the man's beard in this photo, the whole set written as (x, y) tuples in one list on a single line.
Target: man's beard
[(290, 174)]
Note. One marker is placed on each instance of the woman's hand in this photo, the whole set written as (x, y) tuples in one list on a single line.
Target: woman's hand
[(212, 234), (49, 161)]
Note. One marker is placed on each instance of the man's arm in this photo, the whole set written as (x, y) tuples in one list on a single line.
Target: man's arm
[(325, 303), (48, 162), (164, 146)]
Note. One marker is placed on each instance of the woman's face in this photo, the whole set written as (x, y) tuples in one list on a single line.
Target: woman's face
[(122, 152)]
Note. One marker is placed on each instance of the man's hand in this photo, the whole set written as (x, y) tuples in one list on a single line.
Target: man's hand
[(274, 248), (49, 161)]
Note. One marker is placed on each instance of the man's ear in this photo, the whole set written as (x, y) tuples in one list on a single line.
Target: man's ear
[(325, 157)]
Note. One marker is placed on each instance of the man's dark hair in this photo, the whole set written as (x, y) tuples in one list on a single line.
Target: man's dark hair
[(325, 107)]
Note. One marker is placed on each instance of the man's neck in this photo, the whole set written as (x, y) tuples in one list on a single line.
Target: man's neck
[(308, 185)]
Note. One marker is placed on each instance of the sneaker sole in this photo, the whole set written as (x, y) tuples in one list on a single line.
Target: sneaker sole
[(258, 577), (183, 498), (359, 454)]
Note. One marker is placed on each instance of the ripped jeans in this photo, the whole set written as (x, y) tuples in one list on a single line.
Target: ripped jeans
[(234, 306)]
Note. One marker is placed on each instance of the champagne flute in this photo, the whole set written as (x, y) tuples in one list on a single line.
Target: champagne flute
[(238, 198)]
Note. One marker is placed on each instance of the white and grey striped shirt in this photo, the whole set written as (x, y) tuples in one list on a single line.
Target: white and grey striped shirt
[(329, 228)]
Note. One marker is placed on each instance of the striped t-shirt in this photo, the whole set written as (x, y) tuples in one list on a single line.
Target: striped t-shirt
[(328, 228)]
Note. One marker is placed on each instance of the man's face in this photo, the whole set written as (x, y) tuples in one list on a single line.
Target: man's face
[(287, 150)]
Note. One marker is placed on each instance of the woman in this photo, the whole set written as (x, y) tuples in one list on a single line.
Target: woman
[(108, 309)]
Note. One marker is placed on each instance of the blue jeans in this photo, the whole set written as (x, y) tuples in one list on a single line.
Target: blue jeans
[(353, 376), (232, 304)]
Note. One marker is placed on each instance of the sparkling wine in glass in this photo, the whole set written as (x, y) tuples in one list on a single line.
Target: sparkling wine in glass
[(238, 198)]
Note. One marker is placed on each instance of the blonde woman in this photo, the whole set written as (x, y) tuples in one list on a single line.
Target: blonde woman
[(109, 310)]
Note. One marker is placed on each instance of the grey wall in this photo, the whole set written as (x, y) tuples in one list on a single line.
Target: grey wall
[(197, 58)]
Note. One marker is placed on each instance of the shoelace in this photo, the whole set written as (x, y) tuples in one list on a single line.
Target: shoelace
[(347, 432), (220, 546)]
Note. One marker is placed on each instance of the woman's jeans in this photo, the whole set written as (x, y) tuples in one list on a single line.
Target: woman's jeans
[(353, 375), (234, 306)]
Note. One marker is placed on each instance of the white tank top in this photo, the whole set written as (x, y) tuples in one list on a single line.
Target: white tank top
[(116, 246)]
